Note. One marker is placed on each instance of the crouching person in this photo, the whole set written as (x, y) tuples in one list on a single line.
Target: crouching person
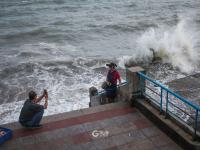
[(32, 113)]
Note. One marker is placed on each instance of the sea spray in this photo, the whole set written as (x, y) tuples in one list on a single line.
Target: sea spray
[(174, 45)]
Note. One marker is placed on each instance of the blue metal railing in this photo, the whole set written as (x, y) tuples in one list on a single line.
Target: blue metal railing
[(168, 100)]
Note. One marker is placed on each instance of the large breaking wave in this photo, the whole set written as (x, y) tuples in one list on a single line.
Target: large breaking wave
[(176, 45)]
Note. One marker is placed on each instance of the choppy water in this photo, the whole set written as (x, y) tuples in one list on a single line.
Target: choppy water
[(63, 45)]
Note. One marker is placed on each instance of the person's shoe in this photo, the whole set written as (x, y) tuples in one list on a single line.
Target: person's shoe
[(34, 127), (38, 126)]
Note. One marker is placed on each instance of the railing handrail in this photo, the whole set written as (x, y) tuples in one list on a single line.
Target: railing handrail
[(169, 91), (121, 84)]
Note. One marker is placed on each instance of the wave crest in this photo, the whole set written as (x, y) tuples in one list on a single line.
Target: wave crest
[(175, 45)]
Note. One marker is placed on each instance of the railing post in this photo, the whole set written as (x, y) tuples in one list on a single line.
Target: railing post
[(142, 86), (161, 99), (167, 100), (195, 124), (134, 82), (126, 70)]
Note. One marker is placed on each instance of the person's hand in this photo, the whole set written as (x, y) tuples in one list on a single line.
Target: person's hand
[(46, 95), (44, 92), (46, 99)]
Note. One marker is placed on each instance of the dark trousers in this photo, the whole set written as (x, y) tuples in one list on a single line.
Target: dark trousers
[(111, 91), (35, 120)]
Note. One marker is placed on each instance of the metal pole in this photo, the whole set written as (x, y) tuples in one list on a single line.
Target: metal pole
[(161, 95), (141, 87), (126, 73), (167, 99), (195, 124)]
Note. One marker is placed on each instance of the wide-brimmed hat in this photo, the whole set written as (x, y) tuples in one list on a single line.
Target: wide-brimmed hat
[(111, 64)]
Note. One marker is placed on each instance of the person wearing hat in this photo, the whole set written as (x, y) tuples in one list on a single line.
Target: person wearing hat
[(113, 77)]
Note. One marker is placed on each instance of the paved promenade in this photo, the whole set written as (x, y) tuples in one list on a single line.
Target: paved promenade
[(108, 127)]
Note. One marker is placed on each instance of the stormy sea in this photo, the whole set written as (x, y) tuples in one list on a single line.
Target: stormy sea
[(63, 46)]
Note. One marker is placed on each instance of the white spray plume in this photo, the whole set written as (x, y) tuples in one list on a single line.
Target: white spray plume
[(175, 46)]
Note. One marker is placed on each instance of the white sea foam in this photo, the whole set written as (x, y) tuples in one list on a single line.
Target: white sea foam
[(66, 78), (176, 45), (124, 60), (63, 97)]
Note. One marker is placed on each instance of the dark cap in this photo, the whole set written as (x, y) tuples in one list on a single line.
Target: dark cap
[(111, 64)]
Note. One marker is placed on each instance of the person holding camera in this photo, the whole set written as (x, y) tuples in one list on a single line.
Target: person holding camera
[(31, 113)]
